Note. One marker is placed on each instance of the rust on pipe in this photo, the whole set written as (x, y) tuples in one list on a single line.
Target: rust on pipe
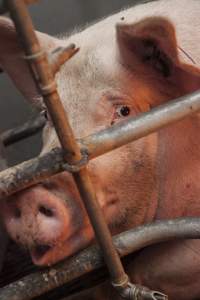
[(44, 78), (30, 172), (90, 259), (99, 143)]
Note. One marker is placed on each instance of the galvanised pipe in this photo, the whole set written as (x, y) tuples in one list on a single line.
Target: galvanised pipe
[(33, 171), (44, 79), (142, 125), (121, 133), (43, 281)]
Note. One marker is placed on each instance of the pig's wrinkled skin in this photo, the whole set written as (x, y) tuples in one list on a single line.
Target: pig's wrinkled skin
[(150, 57)]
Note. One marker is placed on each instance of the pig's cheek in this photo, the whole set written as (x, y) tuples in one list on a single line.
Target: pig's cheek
[(108, 201)]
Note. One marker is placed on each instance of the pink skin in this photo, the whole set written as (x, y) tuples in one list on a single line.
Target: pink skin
[(44, 218), (152, 178)]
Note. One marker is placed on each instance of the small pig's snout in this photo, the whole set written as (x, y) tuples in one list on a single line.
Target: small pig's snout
[(39, 220)]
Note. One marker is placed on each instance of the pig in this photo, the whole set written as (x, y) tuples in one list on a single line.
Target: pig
[(128, 64)]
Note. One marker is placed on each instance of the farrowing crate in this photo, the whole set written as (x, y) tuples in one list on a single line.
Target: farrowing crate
[(73, 156)]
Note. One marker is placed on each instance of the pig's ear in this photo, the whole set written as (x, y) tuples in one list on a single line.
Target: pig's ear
[(12, 58), (149, 47)]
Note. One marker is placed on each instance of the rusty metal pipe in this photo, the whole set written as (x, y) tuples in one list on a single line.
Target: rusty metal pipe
[(98, 143), (44, 78), (90, 259), (30, 172)]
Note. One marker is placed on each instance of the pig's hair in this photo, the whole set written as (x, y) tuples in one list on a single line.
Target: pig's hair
[(80, 28)]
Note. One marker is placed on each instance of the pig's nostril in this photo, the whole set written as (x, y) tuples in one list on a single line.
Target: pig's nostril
[(17, 213), (46, 211)]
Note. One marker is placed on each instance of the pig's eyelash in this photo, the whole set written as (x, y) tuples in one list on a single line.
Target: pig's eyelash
[(119, 100)]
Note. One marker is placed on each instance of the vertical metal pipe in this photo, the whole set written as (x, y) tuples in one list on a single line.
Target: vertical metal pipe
[(45, 80)]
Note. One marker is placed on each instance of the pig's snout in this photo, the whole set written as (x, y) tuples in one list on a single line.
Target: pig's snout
[(39, 220)]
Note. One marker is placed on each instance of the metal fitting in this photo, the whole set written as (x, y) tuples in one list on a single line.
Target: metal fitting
[(76, 167), (131, 291), (37, 55)]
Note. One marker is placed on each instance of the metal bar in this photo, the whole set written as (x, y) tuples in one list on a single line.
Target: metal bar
[(30, 172), (33, 171), (90, 259), (19, 133), (43, 75), (146, 123)]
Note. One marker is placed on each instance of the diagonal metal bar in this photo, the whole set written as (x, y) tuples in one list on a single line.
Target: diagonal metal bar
[(44, 77)]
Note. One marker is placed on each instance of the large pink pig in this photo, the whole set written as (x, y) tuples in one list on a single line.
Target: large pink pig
[(128, 63)]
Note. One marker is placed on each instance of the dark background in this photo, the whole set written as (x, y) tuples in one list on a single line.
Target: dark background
[(53, 17)]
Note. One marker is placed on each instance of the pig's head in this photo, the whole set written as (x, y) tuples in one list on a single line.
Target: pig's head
[(119, 73)]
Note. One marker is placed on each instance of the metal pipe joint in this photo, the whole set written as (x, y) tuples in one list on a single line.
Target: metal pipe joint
[(130, 291)]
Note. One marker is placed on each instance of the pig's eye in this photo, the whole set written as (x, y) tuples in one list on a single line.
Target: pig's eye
[(123, 111)]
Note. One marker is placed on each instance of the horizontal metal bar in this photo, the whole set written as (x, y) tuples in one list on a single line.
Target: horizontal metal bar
[(38, 283), (23, 131), (31, 172), (146, 123)]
